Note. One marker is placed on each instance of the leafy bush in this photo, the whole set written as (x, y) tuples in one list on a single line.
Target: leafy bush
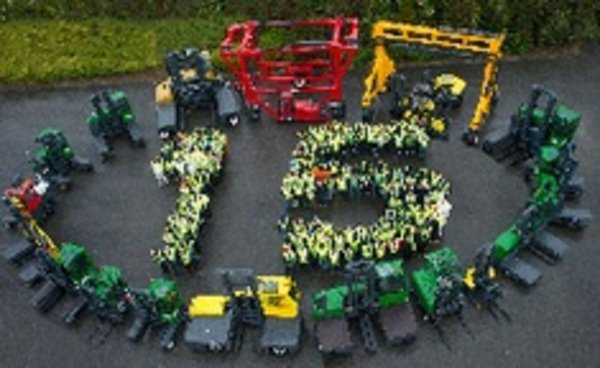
[(46, 51)]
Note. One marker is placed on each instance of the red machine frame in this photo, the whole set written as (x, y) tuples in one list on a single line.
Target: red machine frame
[(26, 194), (306, 86)]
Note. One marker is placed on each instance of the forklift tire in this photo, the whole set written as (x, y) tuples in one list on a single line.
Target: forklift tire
[(396, 112), (456, 101), (279, 351), (139, 327), (167, 336), (70, 316), (46, 297), (214, 347), (9, 223), (338, 110), (255, 115), (233, 120), (495, 99), (106, 156), (168, 346), (367, 115), (470, 138)]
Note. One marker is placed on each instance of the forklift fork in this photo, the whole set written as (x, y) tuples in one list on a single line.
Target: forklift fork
[(367, 333)]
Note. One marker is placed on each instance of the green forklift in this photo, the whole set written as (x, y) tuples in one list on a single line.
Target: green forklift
[(161, 307), (55, 159), (373, 293), (112, 117), (72, 271)]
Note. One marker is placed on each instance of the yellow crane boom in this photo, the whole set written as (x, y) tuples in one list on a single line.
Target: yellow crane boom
[(32, 230), (465, 41)]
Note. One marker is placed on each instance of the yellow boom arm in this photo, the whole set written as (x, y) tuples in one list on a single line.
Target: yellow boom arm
[(472, 42), (33, 231)]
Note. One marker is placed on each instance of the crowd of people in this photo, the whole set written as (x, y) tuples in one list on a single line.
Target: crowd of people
[(316, 156), (195, 161), (417, 207)]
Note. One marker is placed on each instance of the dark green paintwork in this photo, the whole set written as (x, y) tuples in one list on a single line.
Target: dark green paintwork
[(549, 175), (165, 296), (391, 289), (506, 243), (77, 262), (441, 262)]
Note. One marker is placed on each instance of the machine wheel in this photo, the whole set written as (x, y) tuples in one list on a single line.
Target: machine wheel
[(495, 99), (233, 119), (255, 114), (9, 223), (396, 110), (169, 346), (167, 338), (47, 296), (47, 210), (279, 351), (574, 193), (338, 110), (164, 135), (456, 101), (214, 347), (367, 115), (139, 327), (470, 138), (574, 224)]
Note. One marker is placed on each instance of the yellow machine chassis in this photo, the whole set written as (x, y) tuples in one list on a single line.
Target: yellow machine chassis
[(279, 303), (275, 294), (464, 41)]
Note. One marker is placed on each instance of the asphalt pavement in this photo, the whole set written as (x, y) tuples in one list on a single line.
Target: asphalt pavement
[(118, 212)]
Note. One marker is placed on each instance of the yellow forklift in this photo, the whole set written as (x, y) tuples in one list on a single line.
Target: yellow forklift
[(270, 303), (469, 42)]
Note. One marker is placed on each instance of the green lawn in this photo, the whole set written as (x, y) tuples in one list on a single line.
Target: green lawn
[(48, 51)]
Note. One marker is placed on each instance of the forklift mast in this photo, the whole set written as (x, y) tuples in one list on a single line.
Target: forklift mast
[(240, 285), (364, 299), (533, 121)]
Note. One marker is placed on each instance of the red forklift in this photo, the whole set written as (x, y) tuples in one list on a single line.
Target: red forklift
[(28, 196), (300, 80)]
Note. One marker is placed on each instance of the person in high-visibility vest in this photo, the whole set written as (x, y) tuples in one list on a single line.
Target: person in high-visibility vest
[(380, 249), (366, 250), (303, 255), (334, 257), (289, 256)]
